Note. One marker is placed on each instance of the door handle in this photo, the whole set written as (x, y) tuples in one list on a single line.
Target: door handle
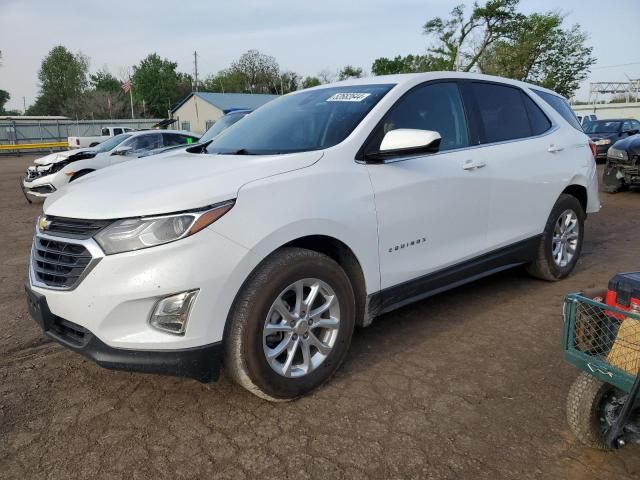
[(554, 148), (471, 164)]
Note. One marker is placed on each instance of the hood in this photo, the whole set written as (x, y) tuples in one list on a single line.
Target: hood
[(60, 156), (630, 145), (153, 186)]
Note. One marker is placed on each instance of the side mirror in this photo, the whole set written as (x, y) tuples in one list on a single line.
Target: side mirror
[(406, 141), (121, 151)]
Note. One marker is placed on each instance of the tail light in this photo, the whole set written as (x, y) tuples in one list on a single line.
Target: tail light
[(592, 146), (78, 142)]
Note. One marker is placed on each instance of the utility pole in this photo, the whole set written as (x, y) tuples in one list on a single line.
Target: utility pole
[(195, 63), (24, 105)]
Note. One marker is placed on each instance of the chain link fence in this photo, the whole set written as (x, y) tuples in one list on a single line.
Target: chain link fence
[(46, 131)]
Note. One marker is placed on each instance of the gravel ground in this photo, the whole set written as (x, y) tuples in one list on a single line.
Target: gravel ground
[(470, 384)]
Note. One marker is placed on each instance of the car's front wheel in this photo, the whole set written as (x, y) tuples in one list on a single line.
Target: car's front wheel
[(561, 241), (291, 325)]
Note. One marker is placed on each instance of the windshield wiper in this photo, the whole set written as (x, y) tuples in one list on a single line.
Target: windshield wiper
[(241, 151)]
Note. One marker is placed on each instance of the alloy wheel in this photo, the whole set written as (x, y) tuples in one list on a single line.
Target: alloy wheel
[(301, 328), (566, 236)]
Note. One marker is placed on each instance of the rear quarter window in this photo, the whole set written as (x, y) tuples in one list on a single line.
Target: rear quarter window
[(561, 106), (537, 119)]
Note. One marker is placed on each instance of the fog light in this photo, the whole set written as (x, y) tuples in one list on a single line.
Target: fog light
[(171, 313)]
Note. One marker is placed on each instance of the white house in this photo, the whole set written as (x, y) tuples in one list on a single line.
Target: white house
[(200, 110)]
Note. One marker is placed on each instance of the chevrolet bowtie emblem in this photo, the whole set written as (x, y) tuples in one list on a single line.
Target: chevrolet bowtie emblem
[(43, 223)]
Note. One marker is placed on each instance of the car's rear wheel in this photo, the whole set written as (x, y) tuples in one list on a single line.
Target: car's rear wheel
[(290, 327), (561, 241)]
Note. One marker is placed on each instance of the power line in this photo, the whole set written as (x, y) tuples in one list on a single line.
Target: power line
[(619, 65), (195, 61)]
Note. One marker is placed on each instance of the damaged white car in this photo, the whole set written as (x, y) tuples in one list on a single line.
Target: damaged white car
[(53, 171)]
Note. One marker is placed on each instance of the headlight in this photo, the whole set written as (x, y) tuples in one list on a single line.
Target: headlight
[(617, 154), (604, 141), (137, 233)]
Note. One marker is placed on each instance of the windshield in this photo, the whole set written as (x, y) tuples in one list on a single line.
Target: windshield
[(112, 143), (221, 125), (310, 120), (601, 127)]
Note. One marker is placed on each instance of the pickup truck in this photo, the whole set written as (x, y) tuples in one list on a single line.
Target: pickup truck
[(85, 142)]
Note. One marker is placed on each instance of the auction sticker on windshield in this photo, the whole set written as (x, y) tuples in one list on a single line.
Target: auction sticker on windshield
[(348, 97)]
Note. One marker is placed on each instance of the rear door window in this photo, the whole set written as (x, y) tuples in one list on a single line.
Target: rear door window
[(173, 139), (117, 131), (502, 112), (144, 142), (561, 106)]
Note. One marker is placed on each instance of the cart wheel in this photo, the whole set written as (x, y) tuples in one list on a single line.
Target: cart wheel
[(586, 410)]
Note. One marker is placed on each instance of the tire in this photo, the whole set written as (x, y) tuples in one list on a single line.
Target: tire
[(94, 144), (545, 266), (584, 410), (246, 345), (79, 174)]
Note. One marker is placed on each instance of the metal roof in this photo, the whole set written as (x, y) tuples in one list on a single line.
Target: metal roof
[(230, 101)]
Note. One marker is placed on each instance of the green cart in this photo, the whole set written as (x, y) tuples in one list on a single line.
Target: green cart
[(604, 343)]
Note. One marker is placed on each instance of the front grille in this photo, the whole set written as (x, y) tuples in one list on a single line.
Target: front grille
[(58, 264), (74, 227)]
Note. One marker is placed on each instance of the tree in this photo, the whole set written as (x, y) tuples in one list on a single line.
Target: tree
[(4, 98), (258, 72), (400, 64), (349, 71), (309, 82), (63, 77), (155, 82), (289, 82), (229, 81), (186, 84), (539, 50), (326, 76), (100, 104), (104, 81), (456, 47)]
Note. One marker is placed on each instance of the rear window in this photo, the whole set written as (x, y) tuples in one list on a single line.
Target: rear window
[(561, 106)]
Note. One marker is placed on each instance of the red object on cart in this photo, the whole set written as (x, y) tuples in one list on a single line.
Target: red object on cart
[(623, 292)]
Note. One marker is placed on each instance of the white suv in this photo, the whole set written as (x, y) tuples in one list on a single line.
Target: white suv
[(316, 213)]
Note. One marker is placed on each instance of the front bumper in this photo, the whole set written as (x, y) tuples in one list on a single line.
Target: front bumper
[(40, 187), (200, 363), (115, 295), (617, 174)]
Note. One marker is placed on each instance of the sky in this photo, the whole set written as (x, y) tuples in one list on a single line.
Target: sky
[(304, 36)]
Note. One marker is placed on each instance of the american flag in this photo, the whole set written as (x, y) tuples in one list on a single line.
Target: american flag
[(126, 86)]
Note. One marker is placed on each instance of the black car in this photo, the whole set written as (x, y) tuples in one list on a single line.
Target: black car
[(605, 133), (623, 165)]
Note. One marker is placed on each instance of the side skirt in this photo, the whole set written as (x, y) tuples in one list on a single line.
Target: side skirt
[(454, 276)]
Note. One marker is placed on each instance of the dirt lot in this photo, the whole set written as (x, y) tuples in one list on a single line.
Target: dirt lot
[(470, 384)]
